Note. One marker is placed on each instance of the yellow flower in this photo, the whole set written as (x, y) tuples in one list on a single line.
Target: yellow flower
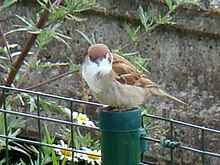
[(93, 156), (65, 152), (82, 117)]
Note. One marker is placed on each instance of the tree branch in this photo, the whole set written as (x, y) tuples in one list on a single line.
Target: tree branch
[(26, 48), (52, 79), (6, 44)]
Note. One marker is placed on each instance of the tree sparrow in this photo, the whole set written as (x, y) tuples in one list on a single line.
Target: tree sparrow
[(114, 81)]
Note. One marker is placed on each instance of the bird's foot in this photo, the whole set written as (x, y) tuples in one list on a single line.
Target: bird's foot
[(109, 108), (114, 109), (119, 110), (122, 109)]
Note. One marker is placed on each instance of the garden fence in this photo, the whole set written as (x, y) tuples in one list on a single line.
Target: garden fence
[(168, 142)]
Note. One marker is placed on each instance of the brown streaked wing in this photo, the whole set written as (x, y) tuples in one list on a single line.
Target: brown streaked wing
[(128, 74)]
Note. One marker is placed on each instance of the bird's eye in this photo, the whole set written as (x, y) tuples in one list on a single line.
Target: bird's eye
[(109, 58), (91, 59)]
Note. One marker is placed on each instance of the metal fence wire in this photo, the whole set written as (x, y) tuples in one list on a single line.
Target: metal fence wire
[(170, 144)]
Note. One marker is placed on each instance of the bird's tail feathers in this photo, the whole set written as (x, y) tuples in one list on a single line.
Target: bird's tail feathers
[(162, 94)]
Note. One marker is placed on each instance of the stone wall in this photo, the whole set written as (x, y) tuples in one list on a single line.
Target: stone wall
[(184, 60)]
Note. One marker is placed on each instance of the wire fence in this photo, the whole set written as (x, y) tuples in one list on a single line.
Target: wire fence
[(167, 143), (200, 149)]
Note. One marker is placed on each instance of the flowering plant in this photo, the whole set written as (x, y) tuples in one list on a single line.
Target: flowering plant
[(85, 149), (88, 155)]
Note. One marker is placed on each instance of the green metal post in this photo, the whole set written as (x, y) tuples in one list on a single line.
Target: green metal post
[(120, 137)]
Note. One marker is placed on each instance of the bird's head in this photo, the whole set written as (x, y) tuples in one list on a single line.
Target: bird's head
[(100, 54), (97, 64)]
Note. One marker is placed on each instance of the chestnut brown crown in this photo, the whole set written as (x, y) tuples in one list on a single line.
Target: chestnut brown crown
[(97, 51)]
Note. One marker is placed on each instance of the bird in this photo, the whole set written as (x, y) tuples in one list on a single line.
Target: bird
[(114, 81)]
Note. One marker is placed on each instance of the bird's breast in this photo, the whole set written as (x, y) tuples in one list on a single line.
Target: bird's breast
[(121, 95), (96, 76)]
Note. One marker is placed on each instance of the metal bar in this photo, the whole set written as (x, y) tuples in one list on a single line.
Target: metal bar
[(51, 96), (45, 144), (203, 146), (185, 147), (72, 138), (6, 127), (98, 104), (200, 151), (39, 128), (5, 89), (142, 156), (47, 119), (171, 138), (151, 139), (182, 123), (142, 125)]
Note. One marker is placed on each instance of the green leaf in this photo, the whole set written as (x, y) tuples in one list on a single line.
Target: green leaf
[(29, 26), (57, 36), (73, 66), (3, 161), (7, 3), (49, 151), (22, 29), (27, 21), (47, 137), (21, 99), (86, 37), (146, 17), (169, 3), (93, 38), (32, 103), (75, 18), (19, 149), (132, 34), (45, 107), (128, 30)]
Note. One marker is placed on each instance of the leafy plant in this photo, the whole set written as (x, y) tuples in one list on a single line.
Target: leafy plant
[(132, 34), (91, 40), (170, 4), (46, 154), (148, 123), (151, 21), (146, 18), (6, 4), (12, 130), (43, 29)]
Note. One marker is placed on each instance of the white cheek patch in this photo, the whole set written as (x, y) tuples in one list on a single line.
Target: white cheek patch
[(89, 74), (93, 73)]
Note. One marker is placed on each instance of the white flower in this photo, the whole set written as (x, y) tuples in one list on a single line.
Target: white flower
[(93, 156), (80, 118), (89, 123), (65, 154)]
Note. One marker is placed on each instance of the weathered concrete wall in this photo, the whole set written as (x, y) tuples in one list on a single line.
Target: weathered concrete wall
[(185, 60)]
